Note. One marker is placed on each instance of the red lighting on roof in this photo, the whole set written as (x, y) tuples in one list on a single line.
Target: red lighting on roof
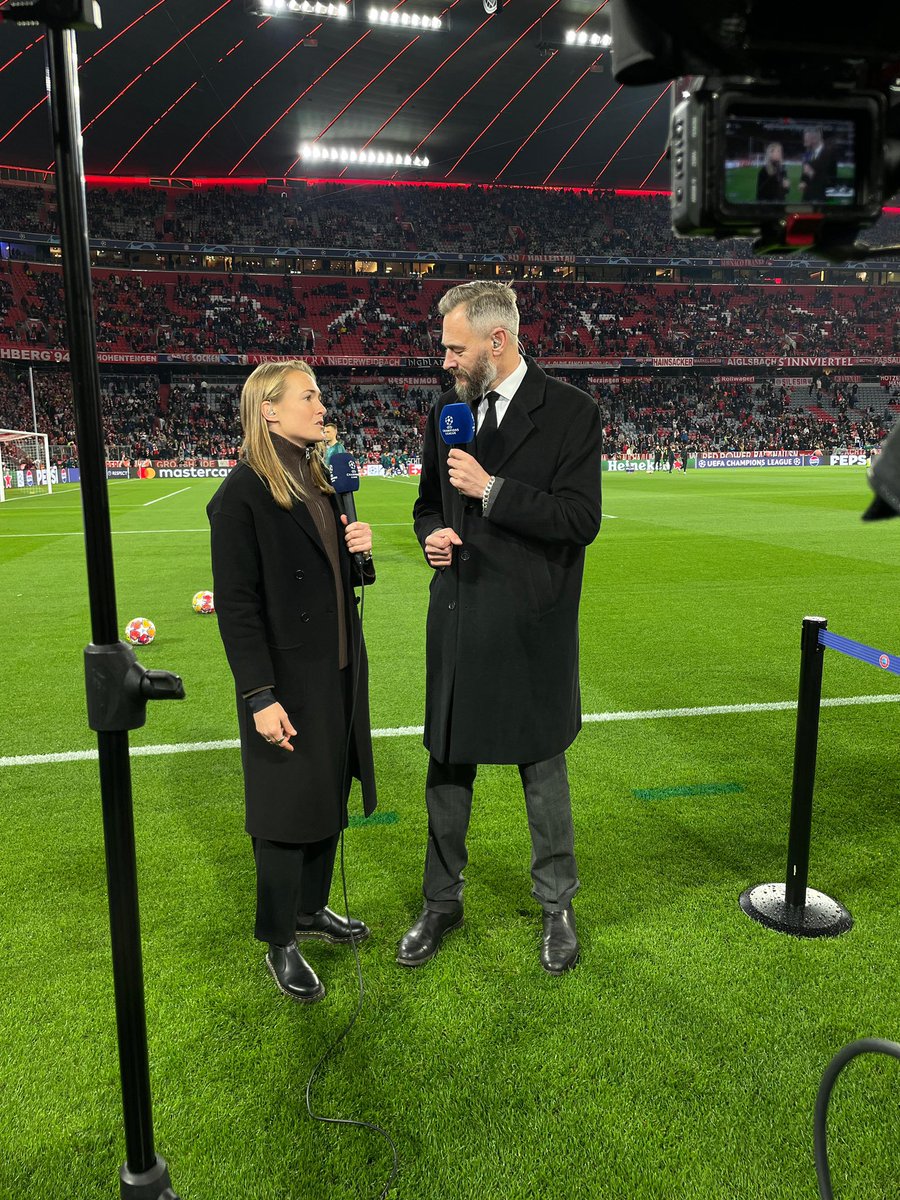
[(632, 131), (597, 114)]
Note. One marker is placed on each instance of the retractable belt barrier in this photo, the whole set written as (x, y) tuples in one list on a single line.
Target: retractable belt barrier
[(792, 906)]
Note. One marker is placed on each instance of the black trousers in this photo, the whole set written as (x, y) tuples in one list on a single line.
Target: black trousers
[(448, 796), (291, 880)]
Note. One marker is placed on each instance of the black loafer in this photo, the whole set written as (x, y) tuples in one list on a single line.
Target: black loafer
[(559, 945), (422, 941), (293, 974), (331, 927)]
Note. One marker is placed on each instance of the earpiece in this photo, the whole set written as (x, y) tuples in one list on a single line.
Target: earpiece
[(496, 344)]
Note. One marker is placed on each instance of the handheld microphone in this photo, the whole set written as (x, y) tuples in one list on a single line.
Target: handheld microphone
[(345, 481), (457, 424)]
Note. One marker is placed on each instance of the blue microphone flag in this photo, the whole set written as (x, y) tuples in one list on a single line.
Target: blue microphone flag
[(344, 473), (457, 425)]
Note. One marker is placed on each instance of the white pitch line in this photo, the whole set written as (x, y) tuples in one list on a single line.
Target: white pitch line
[(115, 532), (137, 532), (147, 503), (652, 714)]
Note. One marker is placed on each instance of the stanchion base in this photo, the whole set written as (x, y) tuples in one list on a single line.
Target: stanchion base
[(147, 1185), (820, 916)]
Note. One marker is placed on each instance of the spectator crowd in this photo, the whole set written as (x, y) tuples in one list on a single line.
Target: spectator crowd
[(242, 313), (175, 414), (380, 418), (470, 219)]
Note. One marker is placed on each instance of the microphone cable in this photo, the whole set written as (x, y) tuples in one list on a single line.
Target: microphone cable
[(345, 780), (820, 1124)]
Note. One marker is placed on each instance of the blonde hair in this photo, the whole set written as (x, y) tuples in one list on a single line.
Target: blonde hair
[(265, 385), (487, 305)]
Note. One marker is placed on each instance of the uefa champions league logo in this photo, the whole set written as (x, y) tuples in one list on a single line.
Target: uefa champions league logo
[(448, 422)]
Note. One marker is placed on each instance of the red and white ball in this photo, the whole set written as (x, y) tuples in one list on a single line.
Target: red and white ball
[(140, 631), (203, 603)]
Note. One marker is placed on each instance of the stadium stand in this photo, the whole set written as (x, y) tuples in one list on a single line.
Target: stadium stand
[(183, 413), (192, 417), (362, 315), (474, 219)]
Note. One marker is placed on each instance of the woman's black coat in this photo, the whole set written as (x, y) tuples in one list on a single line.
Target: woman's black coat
[(275, 600)]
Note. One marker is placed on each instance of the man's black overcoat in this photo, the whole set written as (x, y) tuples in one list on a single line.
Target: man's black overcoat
[(275, 600), (502, 634)]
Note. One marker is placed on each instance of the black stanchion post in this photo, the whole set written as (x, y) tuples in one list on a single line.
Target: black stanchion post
[(118, 687), (793, 907), (806, 745)]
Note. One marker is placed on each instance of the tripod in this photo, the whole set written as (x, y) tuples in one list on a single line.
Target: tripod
[(117, 686)]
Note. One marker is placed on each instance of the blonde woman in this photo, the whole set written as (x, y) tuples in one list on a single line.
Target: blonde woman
[(284, 575)]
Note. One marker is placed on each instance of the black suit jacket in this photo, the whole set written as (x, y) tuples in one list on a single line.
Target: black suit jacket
[(502, 635), (275, 600)]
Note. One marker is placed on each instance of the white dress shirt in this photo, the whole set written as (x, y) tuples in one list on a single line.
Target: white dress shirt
[(505, 392)]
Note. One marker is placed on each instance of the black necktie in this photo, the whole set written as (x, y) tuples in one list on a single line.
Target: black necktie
[(488, 431)]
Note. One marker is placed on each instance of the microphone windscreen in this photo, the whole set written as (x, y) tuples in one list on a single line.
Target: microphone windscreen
[(457, 425), (344, 473)]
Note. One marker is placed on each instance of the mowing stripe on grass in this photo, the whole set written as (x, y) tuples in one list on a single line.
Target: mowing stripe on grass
[(651, 714), (700, 789)]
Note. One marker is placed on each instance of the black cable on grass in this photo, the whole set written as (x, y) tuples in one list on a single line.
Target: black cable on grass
[(834, 1068), (345, 773)]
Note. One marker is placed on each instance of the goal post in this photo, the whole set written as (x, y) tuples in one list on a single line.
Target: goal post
[(24, 464)]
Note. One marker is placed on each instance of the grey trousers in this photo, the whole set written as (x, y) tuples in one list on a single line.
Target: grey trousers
[(448, 797)]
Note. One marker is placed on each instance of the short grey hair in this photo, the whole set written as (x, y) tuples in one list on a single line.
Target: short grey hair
[(488, 305)]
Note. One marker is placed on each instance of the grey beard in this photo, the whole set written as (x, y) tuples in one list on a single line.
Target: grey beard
[(479, 381)]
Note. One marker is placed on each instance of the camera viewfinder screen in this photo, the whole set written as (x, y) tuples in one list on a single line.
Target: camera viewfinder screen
[(790, 161)]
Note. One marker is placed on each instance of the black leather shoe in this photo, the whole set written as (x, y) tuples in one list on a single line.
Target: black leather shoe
[(293, 974), (422, 941), (331, 927), (559, 945)]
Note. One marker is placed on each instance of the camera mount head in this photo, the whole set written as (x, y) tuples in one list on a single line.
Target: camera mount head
[(793, 141)]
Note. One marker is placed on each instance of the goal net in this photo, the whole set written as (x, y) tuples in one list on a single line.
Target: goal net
[(24, 464)]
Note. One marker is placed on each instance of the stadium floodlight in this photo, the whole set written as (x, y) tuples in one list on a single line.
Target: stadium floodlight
[(320, 10), (580, 37), (313, 152), (399, 19)]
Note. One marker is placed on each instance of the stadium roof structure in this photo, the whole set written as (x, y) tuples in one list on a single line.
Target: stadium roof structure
[(210, 89)]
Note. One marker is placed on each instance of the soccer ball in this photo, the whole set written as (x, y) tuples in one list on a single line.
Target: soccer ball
[(140, 631), (203, 603)]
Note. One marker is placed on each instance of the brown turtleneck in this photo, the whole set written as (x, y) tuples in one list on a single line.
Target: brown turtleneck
[(295, 460)]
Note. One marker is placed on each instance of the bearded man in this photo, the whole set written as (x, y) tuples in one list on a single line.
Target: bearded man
[(503, 525)]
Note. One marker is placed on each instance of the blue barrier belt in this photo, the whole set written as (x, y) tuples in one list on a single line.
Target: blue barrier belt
[(877, 658)]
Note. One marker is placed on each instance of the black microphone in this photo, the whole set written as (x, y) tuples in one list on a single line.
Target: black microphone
[(457, 424), (345, 481)]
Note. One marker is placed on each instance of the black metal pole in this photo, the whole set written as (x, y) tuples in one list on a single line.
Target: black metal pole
[(806, 744), (144, 1174), (793, 907)]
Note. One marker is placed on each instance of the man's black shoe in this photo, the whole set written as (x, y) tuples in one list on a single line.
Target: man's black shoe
[(422, 941), (293, 974), (559, 945), (331, 927)]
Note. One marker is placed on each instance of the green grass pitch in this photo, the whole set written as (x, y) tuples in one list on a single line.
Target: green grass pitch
[(679, 1060), (741, 183)]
